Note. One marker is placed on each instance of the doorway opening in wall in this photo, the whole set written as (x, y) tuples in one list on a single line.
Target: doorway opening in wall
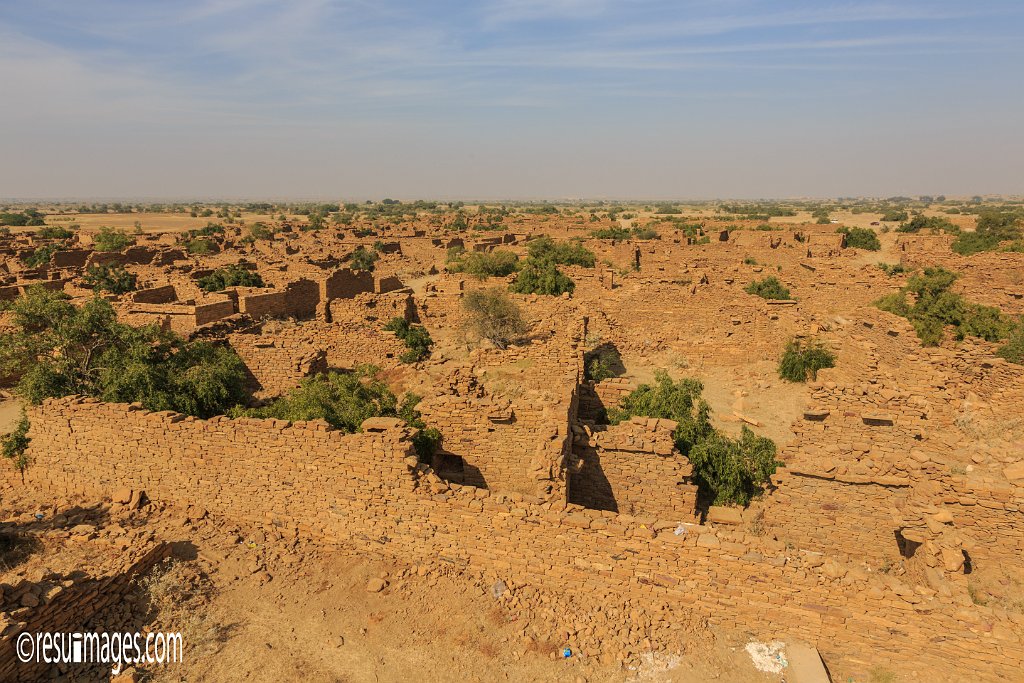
[(450, 467)]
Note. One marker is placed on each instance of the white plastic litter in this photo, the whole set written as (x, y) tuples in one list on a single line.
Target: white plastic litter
[(768, 657)]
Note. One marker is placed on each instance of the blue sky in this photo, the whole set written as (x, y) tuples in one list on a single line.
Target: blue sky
[(510, 98)]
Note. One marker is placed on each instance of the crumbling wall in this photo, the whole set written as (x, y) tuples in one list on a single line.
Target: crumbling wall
[(366, 490), (276, 365), (633, 467)]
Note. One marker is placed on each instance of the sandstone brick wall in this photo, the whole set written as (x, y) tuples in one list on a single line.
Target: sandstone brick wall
[(633, 467), (361, 490), (155, 295), (277, 365), (345, 283)]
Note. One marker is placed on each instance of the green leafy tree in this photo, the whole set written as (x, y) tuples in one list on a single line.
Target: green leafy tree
[(494, 316), (57, 349), (545, 249), (541, 277), (482, 265), (113, 279), (14, 444), (108, 239), (861, 238), (41, 256), (235, 275), (54, 232), (993, 228), (801, 361), (727, 471)]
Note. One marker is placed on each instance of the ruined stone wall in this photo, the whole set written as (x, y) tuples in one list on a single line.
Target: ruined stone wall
[(277, 365), (345, 284), (634, 468), (360, 489), (155, 295)]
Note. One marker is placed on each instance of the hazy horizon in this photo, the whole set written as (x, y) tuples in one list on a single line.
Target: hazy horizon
[(510, 99)]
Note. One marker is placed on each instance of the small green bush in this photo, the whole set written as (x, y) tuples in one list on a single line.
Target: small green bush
[(113, 279), (602, 363), (235, 275), (41, 256), (415, 337), (801, 362), (894, 216), (200, 247), (1013, 349), (891, 270), (768, 288), (933, 223), (541, 277), (861, 238)]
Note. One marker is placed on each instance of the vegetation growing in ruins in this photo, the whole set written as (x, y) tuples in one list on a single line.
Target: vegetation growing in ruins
[(768, 288), (494, 316), (541, 277), (569, 253), (235, 275), (41, 256), (57, 349), (14, 444), (619, 233), (934, 307), (1013, 349), (801, 361), (861, 238), (108, 239), (993, 228), (727, 470), (106, 278), (362, 259), (602, 362), (894, 216), (345, 400), (54, 232), (200, 246), (415, 337), (482, 265), (890, 270), (933, 223)]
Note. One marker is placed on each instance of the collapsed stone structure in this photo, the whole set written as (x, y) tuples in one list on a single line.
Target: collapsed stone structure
[(899, 457)]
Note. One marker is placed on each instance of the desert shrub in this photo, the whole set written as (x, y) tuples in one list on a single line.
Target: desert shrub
[(28, 217), (260, 231), (861, 238), (345, 401), (750, 261), (562, 253), (541, 277), (1013, 349), (620, 233), (58, 349), (415, 337), (108, 239), (494, 316), (801, 362), (890, 270), (200, 246), (362, 259), (482, 265), (993, 228), (208, 230), (54, 232), (602, 363), (934, 307), (894, 216), (14, 444), (727, 471), (235, 275), (933, 223), (768, 288), (113, 279)]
